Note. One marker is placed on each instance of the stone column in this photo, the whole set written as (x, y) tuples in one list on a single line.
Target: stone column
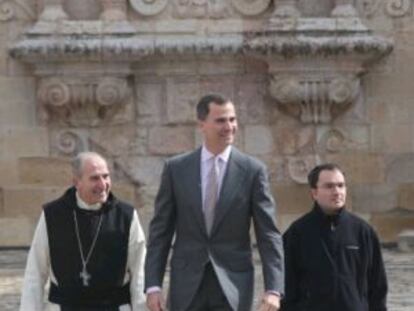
[(53, 11), (344, 8), (113, 10)]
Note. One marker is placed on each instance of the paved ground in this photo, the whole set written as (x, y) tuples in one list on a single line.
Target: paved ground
[(400, 271)]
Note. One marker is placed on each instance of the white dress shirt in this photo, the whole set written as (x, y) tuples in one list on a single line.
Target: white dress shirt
[(38, 268)]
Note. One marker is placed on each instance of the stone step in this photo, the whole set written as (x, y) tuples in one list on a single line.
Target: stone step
[(406, 241)]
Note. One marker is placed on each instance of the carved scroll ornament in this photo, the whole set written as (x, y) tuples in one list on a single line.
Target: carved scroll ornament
[(8, 10), (299, 167), (82, 102), (314, 100)]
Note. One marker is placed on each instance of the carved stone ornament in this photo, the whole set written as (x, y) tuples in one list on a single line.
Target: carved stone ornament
[(148, 7), (315, 99), (76, 101), (251, 7), (185, 9), (398, 8), (315, 64), (8, 10), (299, 167), (70, 143)]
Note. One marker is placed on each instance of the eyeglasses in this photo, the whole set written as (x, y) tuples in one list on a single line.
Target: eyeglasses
[(331, 186)]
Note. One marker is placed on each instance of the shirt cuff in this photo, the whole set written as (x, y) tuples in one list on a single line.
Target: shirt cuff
[(153, 289), (273, 292)]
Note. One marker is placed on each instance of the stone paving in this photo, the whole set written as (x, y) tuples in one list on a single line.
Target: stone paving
[(400, 271)]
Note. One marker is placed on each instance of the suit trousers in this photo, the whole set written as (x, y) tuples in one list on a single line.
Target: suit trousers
[(209, 296), (63, 308)]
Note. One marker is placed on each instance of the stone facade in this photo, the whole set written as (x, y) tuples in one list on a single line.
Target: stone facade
[(313, 81)]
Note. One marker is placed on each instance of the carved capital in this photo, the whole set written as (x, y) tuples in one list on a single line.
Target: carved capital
[(82, 101), (314, 99), (344, 8), (53, 11), (149, 7), (251, 7)]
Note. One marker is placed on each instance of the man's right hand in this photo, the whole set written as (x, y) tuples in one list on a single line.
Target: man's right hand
[(155, 301)]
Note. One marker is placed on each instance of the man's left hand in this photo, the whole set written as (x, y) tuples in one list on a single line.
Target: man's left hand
[(270, 302)]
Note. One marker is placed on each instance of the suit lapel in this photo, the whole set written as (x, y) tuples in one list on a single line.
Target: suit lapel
[(232, 182), (193, 184)]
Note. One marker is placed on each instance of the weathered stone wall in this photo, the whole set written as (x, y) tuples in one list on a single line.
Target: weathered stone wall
[(372, 139)]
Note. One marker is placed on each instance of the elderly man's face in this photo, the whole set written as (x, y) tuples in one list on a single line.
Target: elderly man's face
[(330, 192), (94, 184)]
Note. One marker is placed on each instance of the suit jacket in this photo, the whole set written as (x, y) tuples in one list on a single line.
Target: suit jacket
[(244, 198)]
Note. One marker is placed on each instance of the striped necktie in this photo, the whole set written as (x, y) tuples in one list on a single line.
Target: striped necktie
[(211, 195)]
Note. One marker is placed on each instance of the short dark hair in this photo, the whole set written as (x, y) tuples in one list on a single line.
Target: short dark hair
[(313, 175), (203, 106)]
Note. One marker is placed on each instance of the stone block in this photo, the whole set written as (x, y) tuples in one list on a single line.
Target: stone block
[(389, 225), (1, 202), (170, 140), (23, 142), (393, 138), (125, 192), (18, 106), (16, 232), (258, 140), (406, 241), (182, 97), (8, 172), (371, 198), (400, 169), (360, 167), (224, 85), (45, 171), (149, 98), (406, 196), (250, 91), (143, 171), (292, 199), (52, 193), (116, 140), (23, 201)]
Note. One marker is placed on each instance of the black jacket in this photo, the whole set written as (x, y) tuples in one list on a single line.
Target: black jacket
[(333, 264)]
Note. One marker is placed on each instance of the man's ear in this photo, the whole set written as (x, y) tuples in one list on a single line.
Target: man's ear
[(313, 193)]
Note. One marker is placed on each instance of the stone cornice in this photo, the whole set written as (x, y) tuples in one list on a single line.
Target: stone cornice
[(98, 41)]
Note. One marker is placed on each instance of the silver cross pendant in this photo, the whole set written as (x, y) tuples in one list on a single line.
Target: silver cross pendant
[(85, 276)]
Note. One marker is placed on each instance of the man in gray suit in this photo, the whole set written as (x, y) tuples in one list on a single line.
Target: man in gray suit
[(207, 200)]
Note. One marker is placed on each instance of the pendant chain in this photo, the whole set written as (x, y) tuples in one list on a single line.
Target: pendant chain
[(88, 256)]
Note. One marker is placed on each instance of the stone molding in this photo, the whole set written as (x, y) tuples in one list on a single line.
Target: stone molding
[(315, 64)]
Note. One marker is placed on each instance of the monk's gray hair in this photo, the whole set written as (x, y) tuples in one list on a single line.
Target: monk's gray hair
[(79, 160)]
